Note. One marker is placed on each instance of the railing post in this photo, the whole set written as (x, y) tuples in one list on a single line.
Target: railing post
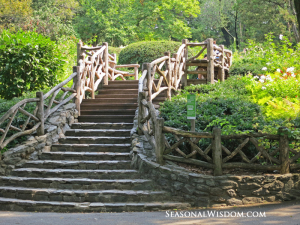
[(217, 151), (77, 87), (136, 73), (159, 141), (79, 45), (40, 113), (284, 150), (184, 77), (210, 57), (175, 71), (169, 75), (105, 56), (221, 71), (140, 115), (149, 82)]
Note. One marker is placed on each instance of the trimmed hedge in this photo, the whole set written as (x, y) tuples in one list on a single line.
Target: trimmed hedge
[(147, 51)]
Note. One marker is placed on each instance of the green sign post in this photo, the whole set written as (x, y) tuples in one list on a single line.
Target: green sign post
[(191, 107)]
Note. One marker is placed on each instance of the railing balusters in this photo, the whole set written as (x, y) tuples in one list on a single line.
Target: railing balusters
[(40, 113)]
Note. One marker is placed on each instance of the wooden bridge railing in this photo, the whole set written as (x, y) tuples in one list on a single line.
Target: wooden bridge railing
[(94, 66)]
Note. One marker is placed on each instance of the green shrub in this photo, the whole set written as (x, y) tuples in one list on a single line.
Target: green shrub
[(28, 62), (237, 106), (266, 57), (147, 51)]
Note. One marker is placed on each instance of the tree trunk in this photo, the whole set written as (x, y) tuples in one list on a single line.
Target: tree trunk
[(236, 31), (297, 8), (227, 37)]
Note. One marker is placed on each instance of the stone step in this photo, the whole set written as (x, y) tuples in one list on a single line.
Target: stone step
[(121, 82), (108, 112), (53, 194), (106, 118), (118, 90), (123, 86), (111, 106), (77, 183), (98, 132), (84, 156), (116, 95), (76, 173), (102, 126), (83, 165), (91, 147), (109, 100), (12, 204), (95, 140)]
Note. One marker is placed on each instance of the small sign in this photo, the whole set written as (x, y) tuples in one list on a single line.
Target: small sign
[(191, 107)]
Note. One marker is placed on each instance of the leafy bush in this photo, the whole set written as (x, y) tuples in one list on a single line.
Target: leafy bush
[(237, 107), (28, 62), (266, 57), (147, 51)]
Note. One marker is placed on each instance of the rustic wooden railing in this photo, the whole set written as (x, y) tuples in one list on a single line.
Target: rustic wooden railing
[(94, 66), (215, 156), (44, 108), (173, 71)]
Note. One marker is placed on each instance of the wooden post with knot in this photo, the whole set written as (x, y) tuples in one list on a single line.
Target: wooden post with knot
[(284, 150), (210, 58), (217, 151)]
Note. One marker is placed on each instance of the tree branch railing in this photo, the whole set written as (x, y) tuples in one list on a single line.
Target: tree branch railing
[(170, 73), (97, 66), (45, 106), (94, 66), (215, 156)]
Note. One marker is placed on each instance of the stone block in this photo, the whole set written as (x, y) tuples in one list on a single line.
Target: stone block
[(228, 184), (261, 192), (210, 182), (234, 201), (231, 193), (249, 186), (251, 200)]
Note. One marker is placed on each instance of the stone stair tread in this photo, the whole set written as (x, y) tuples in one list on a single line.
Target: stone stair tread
[(71, 191), (94, 137), (98, 130), (68, 162), (74, 170), (93, 145), (87, 180), (88, 153), (90, 206), (88, 124)]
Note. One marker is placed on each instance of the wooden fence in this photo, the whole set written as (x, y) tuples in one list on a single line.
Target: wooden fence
[(94, 67), (216, 156)]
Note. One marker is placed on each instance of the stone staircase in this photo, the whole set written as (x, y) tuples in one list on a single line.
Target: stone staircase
[(89, 170)]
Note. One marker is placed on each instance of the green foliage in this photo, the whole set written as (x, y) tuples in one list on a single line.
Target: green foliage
[(266, 57), (231, 106), (147, 51), (28, 62)]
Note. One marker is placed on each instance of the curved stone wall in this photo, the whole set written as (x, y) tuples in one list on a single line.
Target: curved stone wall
[(206, 191)]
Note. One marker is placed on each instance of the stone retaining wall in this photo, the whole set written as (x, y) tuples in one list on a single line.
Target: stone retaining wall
[(204, 190), (55, 128)]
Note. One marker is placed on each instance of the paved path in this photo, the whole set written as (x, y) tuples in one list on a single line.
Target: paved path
[(287, 213)]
